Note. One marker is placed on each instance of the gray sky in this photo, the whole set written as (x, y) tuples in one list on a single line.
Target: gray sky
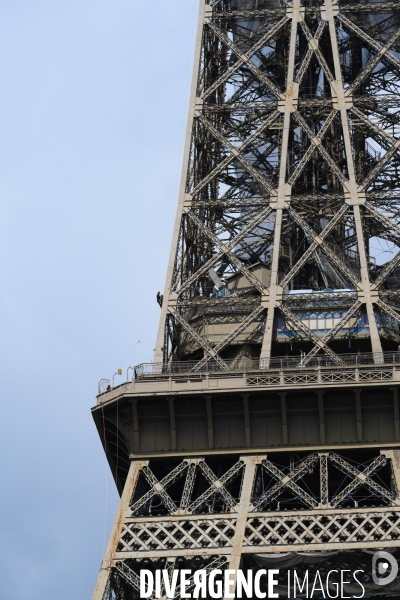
[(94, 97)]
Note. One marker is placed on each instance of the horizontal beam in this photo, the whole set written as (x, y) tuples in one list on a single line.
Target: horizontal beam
[(276, 381), (321, 547), (266, 449)]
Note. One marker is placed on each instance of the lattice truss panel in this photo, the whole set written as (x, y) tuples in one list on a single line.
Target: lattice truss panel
[(192, 518), (291, 179)]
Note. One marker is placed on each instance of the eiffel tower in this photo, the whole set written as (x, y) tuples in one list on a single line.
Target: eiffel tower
[(268, 424)]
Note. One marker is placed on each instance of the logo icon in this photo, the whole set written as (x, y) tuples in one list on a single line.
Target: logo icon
[(384, 568)]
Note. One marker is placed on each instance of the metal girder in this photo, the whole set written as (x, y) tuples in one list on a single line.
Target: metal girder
[(372, 64), (232, 203), (225, 249), (306, 60), (233, 334), (328, 336), (321, 242), (317, 241), (387, 270), (367, 8), (379, 166), (159, 488), (103, 580), (282, 187), (239, 14), (309, 334), (241, 151), (353, 189), (250, 65), (291, 169), (389, 310), (217, 486), (199, 339), (287, 482), (313, 42), (218, 540), (189, 484), (383, 218), (378, 130), (318, 146), (311, 149), (360, 478), (235, 151), (323, 461), (244, 58), (130, 576), (364, 36)]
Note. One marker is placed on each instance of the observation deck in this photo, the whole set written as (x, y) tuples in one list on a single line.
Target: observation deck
[(288, 373), (175, 410)]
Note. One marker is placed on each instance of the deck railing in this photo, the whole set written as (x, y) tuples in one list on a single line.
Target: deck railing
[(281, 371), (276, 363)]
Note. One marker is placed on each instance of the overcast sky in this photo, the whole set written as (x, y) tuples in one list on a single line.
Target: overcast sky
[(94, 97)]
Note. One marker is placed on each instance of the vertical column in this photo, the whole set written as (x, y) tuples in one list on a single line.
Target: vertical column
[(135, 421), (246, 420), (321, 412), (170, 567), (158, 355), (243, 508), (210, 427), (106, 564), (284, 419), (282, 198), (357, 393), (396, 468), (354, 195), (323, 468), (396, 413), (172, 422), (394, 456)]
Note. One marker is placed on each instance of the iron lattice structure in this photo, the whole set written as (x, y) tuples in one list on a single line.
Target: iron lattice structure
[(218, 522), (290, 183), (286, 244)]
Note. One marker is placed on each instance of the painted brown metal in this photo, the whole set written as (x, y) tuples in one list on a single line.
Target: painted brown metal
[(277, 363)]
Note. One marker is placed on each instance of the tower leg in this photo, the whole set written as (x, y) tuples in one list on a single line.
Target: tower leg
[(355, 197), (283, 191), (106, 564), (243, 508), (158, 354)]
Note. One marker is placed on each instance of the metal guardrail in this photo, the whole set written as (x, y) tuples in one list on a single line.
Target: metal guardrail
[(281, 371), (276, 363)]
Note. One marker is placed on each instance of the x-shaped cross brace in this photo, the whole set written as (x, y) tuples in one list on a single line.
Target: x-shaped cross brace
[(383, 52), (313, 49), (203, 343), (360, 478), (225, 248), (236, 153), (159, 488), (217, 486), (287, 481), (395, 261), (242, 58), (250, 65), (232, 335), (319, 343)]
